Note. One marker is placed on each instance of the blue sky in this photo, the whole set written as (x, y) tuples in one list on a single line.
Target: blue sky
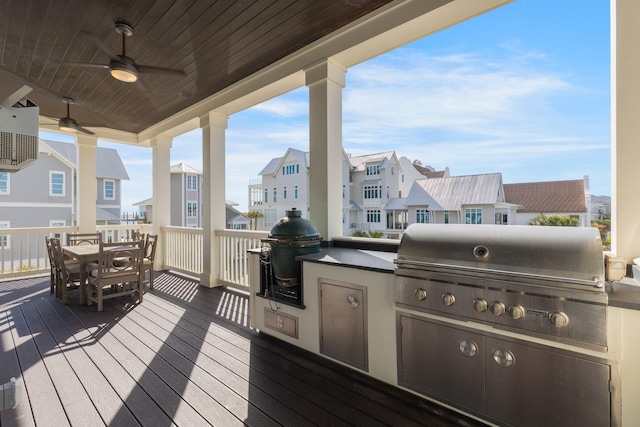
[(523, 90)]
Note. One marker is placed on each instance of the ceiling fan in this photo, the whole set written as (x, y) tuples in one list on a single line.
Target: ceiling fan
[(123, 67), (69, 124)]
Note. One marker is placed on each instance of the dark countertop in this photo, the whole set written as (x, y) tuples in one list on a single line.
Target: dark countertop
[(622, 294), (381, 262)]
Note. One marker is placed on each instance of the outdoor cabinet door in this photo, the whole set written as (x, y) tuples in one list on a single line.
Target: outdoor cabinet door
[(343, 323), (529, 386), (442, 362)]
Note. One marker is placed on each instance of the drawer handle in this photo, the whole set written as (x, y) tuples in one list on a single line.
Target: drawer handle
[(503, 357), (353, 301), (468, 348)]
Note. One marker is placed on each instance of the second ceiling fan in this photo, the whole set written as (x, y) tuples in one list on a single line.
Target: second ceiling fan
[(123, 67)]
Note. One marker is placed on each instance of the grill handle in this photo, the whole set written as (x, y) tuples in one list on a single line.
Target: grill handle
[(448, 268)]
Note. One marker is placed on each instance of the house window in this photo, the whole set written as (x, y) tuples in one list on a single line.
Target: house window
[(473, 216), (295, 192), (290, 169), (422, 216), (275, 195), (4, 182), (373, 170), (373, 215), (284, 192), (388, 193), (57, 223), (446, 217), (5, 242), (192, 182), (56, 183), (372, 191), (344, 191), (266, 195), (192, 209), (109, 189)]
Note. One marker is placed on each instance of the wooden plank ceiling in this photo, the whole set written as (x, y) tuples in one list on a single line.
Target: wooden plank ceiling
[(216, 43)]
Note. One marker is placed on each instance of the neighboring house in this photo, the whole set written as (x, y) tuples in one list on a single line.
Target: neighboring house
[(44, 193), (471, 199), (376, 180), (285, 185), (186, 201), (600, 207), (551, 198), (369, 183), (186, 196)]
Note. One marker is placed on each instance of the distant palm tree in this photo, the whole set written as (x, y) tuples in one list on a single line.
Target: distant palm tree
[(253, 217)]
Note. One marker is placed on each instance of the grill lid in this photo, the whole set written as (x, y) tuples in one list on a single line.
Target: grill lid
[(567, 254)]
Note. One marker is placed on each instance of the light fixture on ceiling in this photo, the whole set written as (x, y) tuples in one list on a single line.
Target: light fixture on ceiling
[(123, 70), (69, 124)]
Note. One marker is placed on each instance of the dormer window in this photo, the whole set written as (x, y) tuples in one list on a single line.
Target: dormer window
[(373, 170)]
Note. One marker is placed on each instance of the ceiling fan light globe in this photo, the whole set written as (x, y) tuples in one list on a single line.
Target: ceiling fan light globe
[(123, 72), (67, 124)]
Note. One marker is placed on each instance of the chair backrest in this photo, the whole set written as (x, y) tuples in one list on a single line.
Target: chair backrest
[(120, 261), (84, 239), (137, 235), (58, 257), (52, 261), (150, 247)]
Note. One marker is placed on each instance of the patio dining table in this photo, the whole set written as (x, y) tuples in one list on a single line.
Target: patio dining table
[(85, 254)]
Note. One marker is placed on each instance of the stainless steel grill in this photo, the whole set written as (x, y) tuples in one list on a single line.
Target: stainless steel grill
[(471, 297), (542, 281)]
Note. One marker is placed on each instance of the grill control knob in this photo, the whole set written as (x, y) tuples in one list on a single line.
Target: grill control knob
[(480, 305), (448, 299), (420, 294), (497, 308), (516, 311), (559, 319)]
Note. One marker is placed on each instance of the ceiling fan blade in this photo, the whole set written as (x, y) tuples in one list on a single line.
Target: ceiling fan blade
[(100, 44), (160, 70), (140, 84), (87, 64), (83, 130)]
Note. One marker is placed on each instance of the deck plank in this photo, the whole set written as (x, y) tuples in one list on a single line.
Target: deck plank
[(185, 356)]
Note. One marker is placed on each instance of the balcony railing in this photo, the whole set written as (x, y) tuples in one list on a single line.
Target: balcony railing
[(23, 251)]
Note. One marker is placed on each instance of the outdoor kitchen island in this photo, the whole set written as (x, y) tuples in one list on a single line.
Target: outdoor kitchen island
[(351, 315)]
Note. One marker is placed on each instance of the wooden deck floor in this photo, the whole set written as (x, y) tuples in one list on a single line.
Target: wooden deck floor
[(185, 356)]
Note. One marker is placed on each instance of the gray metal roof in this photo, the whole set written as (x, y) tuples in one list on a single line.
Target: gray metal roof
[(184, 168), (451, 193), (396, 204), (108, 161), (102, 215)]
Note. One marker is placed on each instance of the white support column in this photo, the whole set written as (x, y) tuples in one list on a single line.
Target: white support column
[(625, 128), (87, 183), (161, 212), (325, 81), (213, 126)]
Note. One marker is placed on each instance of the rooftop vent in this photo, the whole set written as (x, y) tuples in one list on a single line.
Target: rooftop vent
[(18, 131)]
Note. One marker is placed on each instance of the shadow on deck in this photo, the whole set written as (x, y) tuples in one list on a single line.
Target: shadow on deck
[(185, 356)]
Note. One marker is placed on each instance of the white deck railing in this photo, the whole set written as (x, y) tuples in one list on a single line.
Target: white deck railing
[(233, 259), (183, 249), (23, 251)]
